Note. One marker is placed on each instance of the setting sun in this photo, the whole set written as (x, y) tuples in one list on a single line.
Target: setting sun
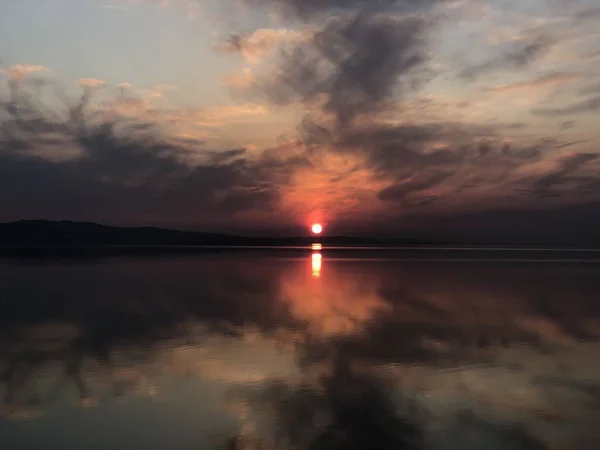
[(316, 228)]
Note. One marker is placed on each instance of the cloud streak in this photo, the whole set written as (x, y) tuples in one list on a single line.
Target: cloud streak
[(552, 79), (590, 104), (523, 53)]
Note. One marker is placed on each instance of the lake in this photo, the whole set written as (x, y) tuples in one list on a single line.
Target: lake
[(305, 348)]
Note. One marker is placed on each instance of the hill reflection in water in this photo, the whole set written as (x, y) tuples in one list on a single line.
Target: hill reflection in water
[(307, 352)]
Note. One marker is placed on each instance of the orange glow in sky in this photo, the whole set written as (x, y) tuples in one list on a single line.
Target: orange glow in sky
[(316, 228)]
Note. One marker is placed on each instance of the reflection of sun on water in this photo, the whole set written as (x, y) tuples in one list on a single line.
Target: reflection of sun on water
[(316, 264), (335, 302), (317, 247)]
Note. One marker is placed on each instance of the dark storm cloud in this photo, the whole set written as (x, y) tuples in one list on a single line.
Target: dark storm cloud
[(520, 55), (124, 169)]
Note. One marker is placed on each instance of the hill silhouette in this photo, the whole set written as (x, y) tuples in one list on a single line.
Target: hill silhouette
[(68, 234)]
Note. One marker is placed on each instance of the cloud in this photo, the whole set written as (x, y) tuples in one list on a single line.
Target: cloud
[(141, 104), (240, 82), (90, 82), (127, 168), (308, 9), (414, 185), (18, 71), (590, 104), (571, 173), (353, 73), (522, 54), (354, 63), (370, 149), (551, 79), (591, 13), (211, 117), (253, 46), (567, 124), (591, 89)]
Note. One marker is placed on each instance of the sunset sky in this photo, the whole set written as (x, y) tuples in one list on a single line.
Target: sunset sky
[(437, 118)]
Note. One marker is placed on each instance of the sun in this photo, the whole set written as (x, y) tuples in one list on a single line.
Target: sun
[(316, 228)]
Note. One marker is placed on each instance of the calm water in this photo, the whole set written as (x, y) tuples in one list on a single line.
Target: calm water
[(307, 349)]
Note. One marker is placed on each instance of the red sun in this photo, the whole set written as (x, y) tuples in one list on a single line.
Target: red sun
[(316, 228)]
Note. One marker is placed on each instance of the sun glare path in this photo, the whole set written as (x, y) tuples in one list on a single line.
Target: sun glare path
[(316, 261), (316, 228)]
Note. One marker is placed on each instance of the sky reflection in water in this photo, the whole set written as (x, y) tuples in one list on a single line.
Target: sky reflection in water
[(310, 351)]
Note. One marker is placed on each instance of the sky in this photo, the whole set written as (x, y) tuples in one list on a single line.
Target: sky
[(464, 119)]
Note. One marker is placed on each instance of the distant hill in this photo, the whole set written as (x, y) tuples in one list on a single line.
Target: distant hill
[(33, 233), (42, 233)]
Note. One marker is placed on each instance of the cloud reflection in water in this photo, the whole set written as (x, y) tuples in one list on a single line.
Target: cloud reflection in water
[(460, 354)]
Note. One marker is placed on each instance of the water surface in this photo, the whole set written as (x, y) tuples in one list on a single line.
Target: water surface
[(305, 349)]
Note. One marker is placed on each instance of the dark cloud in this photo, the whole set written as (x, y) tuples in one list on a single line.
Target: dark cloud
[(355, 66), (591, 13), (422, 181), (123, 169), (308, 9), (396, 148), (568, 144), (350, 73), (567, 124), (590, 104), (590, 89), (522, 54), (130, 171), (353, 62), (356, 63), (569, 171), (516, 126), (407, 151)]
